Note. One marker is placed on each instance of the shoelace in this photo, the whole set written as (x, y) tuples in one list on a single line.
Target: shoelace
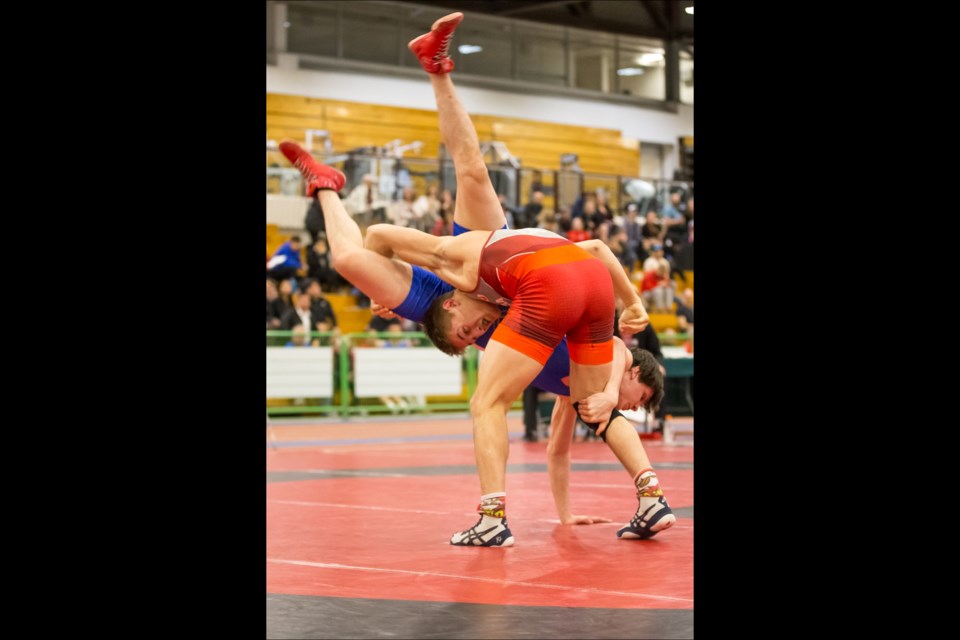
[(302, 166), (444, 50)]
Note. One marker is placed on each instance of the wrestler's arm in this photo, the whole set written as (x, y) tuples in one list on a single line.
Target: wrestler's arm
[(597, 407), (562, 424), (634, 317), (436, 253)]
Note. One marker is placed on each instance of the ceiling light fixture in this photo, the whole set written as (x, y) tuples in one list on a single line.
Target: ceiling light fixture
[(630, 71), (689, 10), (467, 49), (649, 59)]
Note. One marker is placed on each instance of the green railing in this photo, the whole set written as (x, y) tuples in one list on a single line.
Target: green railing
[(343, 400)]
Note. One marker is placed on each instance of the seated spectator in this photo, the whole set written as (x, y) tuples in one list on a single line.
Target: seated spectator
[(299, 338), (275, 307), (602, 212), (685, 306), (528, 217), (426, 210), (321, 311), (444, 224), (286, 263), (674, 209), (577, 232), (657, 288), (620, 246), (299, 314), (401, 212), (285, 295), (652, 231), (320, 265), (509, 211), (365, 203)]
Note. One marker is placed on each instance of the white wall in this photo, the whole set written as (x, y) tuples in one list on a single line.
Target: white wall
[(646, 125)]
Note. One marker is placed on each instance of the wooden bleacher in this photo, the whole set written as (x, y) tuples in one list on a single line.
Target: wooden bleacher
[(538, 145), (350, 317)]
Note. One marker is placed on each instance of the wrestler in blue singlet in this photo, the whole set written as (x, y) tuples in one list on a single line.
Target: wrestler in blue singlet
[(426, 287)]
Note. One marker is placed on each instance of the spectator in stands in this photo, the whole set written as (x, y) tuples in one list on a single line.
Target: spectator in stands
[(275, 306), (651, 232), (320, 265), (395, 326), (285, 288), (298, 314), (286, 262), (685, 306), (313, 222), (632, 227), (602, 212), (657, 289), (426, 209), (684, 255), (528, 217), (536, 183), (577, 211), (618, 243), (673, 210), (365, 203), (564, 222), (321, 311), (509, 211), (444, 225), (299, 338), (401, 212), (448, 203), (577, 233)]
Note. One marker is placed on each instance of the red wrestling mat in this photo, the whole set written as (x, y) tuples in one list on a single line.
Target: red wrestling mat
[(387, 536)]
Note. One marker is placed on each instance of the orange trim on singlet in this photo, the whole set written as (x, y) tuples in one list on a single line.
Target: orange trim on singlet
[(527, 346), (547, 257), (601, 353)]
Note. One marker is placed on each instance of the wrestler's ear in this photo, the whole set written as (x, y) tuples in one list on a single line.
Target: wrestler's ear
[(450, 303)]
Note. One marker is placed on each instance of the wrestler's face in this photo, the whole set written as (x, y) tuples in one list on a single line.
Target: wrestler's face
[(470, 319), (633, 393)]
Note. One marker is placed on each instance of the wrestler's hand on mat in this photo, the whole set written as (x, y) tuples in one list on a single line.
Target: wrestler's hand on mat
[(597, 408), (585, 520), (634, 319), (383, 312)]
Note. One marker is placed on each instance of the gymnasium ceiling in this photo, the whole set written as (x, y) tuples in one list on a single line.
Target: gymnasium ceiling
[(664, 19)]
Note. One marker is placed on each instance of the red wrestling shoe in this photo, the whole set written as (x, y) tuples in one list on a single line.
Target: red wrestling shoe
[(318, 176), (433, 49)]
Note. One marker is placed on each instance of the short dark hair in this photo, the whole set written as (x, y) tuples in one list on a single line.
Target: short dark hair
[(649, 375), (295, 238), (436, 324)]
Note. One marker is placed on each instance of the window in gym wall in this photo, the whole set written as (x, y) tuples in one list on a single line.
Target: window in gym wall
[(686, 77), (640, 68), (592, 60), (312, 30), (484, 48), (370, 32), (540, 56)]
